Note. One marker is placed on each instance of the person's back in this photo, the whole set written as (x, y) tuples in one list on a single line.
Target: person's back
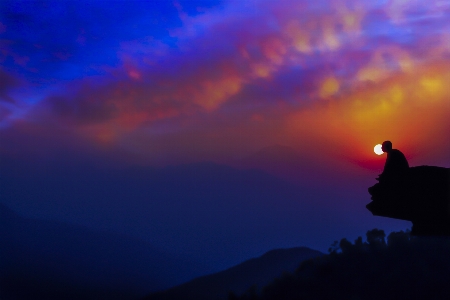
[(396, 164)]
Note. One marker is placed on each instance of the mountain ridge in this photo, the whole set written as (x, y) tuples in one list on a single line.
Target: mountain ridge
[(257, 271), (72, 258)]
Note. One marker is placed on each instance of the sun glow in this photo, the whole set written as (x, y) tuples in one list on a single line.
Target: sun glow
[(377, 149)]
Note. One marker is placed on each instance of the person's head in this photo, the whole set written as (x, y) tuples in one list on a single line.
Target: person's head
[(386, 146)]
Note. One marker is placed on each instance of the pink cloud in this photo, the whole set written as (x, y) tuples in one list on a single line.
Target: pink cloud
[(8, 83), (237, 75)]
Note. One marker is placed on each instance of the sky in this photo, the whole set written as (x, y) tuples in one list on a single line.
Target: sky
[(300, 90)]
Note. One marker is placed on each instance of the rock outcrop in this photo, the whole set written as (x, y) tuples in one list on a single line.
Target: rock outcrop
[(422, 196)]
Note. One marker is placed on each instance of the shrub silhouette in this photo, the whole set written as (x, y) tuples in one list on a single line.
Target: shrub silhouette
[(400, 266)]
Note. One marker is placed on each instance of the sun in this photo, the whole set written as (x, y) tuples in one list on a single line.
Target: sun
[(377, 149)]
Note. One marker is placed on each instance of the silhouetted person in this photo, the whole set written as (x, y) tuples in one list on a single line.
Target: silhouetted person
[(418, 194), (396, 164)]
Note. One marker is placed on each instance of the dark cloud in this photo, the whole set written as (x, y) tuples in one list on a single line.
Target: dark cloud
[(7, 83)]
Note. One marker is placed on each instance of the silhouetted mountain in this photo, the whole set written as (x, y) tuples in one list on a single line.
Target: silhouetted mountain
[(403, 267), (52, 260), (257, 271), (216, 214)]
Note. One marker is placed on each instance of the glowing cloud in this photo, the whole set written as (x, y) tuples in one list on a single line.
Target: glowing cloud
[(335, 75)]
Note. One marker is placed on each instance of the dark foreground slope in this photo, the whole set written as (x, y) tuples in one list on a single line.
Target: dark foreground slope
[(404, 267), (254, 272), (52, 260)]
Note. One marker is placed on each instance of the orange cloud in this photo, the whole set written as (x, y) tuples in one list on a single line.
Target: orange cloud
[(412, 110), (329, 87), (214, 93), (299, 36), (284, 58), (386, 60)]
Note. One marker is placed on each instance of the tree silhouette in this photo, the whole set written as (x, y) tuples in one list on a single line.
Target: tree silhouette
[(399, 266)]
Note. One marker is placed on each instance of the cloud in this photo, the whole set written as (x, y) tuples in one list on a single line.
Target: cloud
[(64, 40), (296, 69), (7, 83), (411, 109)]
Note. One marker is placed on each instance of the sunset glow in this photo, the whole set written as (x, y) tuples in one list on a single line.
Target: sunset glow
[(345, 83)]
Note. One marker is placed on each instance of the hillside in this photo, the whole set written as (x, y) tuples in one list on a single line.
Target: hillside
[(245, 211), (403, 267), (257, 271), (53, 260)]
